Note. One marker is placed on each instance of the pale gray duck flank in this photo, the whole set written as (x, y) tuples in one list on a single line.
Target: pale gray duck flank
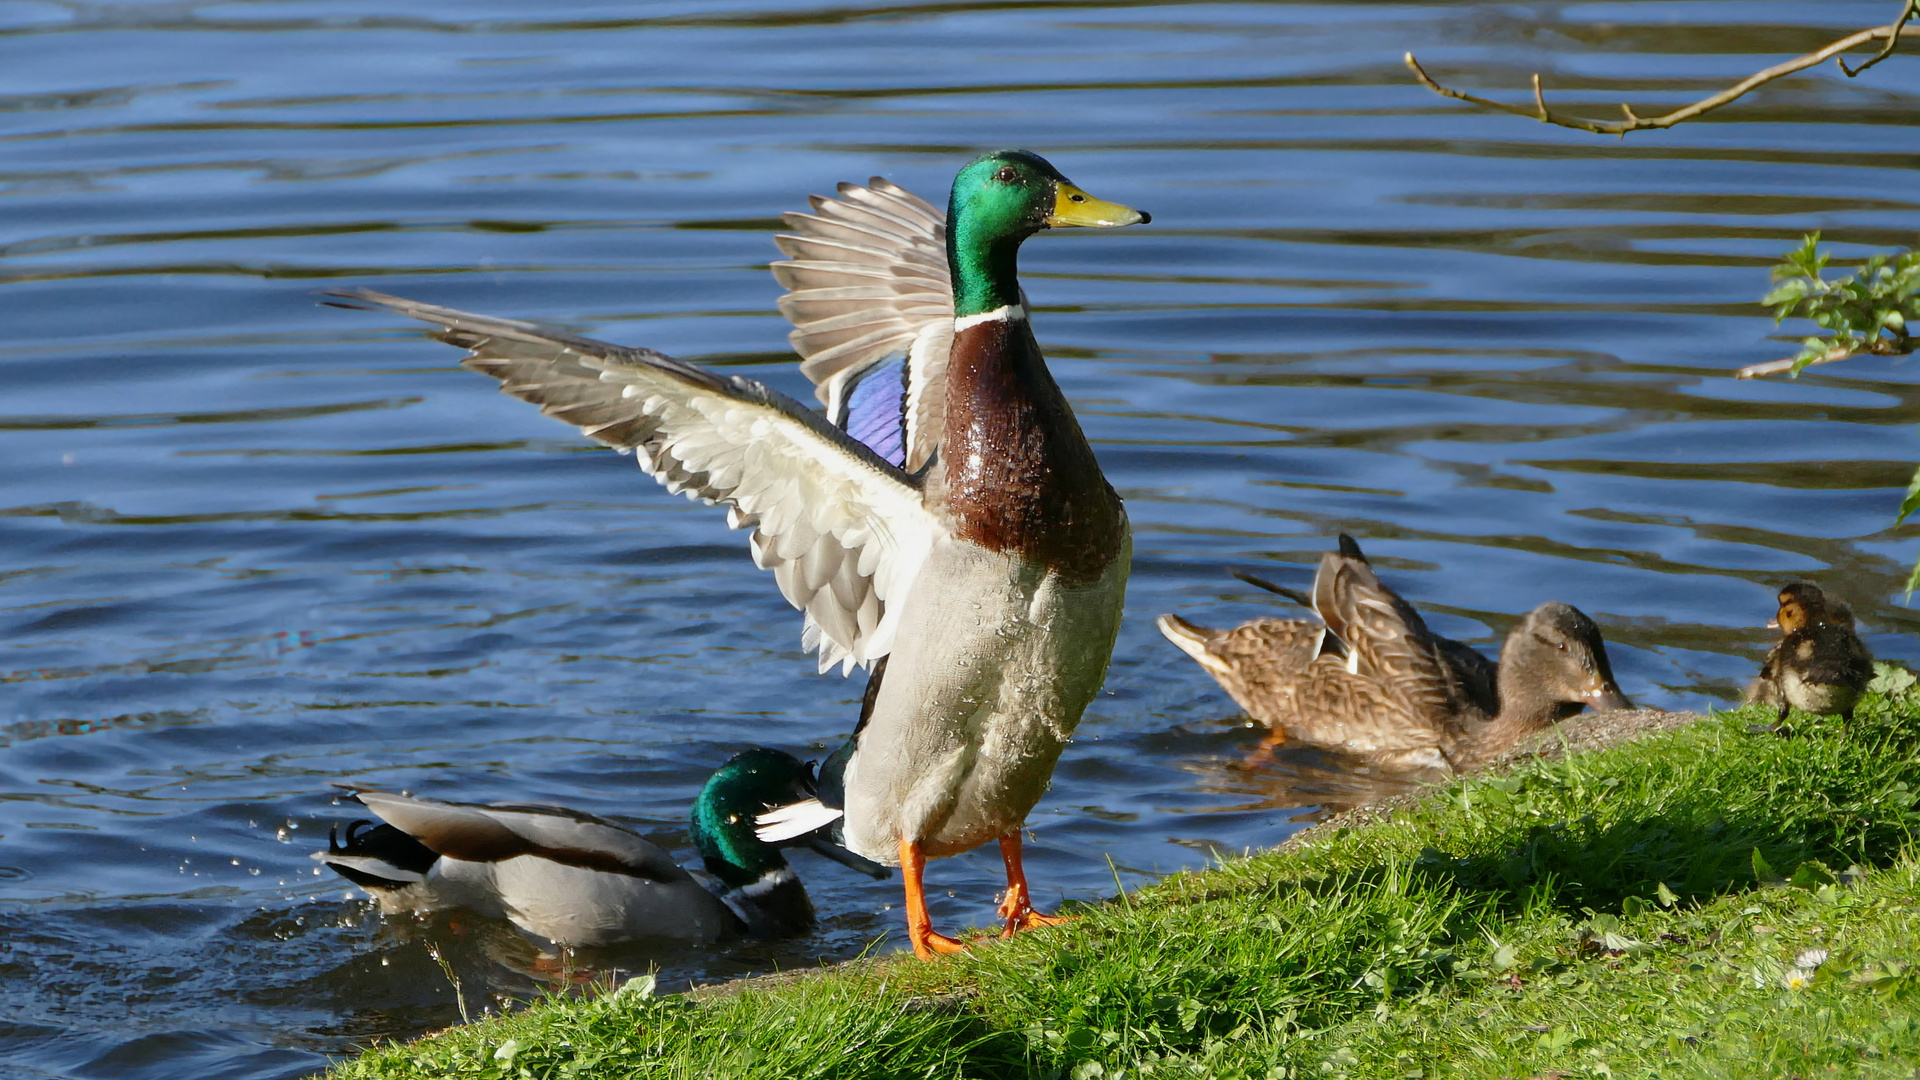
[(582, 880)]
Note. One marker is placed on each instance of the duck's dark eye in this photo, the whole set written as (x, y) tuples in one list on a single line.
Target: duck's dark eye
[(1007, 174), (1076, 197)]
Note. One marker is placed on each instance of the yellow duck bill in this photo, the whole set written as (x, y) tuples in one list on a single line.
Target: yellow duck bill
[(1073, 208)]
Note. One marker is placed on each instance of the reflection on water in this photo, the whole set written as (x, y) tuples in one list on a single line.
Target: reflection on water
[(253, 545)]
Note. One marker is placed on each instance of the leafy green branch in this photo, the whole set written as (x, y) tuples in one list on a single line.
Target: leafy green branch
[(1870, 312)]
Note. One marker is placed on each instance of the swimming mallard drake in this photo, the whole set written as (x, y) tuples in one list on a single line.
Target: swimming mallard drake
[(1371, 678), (578, 879), (945, 523), (1820, 665)]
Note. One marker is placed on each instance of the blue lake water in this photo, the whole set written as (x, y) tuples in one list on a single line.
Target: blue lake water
[(250, 545)]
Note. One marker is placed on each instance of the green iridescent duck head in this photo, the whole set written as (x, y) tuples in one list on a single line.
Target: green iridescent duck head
[(999, 200), (748, 785)]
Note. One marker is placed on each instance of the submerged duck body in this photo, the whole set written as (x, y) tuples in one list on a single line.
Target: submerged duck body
[(1820, 665), (945, 523), (1370, 678), (582, 880)]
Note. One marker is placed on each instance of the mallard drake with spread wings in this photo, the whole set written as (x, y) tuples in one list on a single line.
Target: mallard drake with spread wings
[(1370, 677), (577, 879), (944, 523)]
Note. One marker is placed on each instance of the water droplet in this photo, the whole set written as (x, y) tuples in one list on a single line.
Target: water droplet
[(253, 871), (236, 862), (282, 836)]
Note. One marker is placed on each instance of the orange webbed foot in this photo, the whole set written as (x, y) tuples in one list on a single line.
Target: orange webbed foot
[(926, 943), (1016, 908), (929, 945)]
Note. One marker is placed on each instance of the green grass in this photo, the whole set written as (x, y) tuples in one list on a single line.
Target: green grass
[(1635, 911)]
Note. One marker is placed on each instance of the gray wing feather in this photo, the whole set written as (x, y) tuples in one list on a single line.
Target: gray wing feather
[(488, 834), (868, 280), (843, 530)]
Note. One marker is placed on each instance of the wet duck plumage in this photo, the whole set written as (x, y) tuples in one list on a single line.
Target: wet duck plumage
[(1371, 678), (1820, 665), (945, 515), (581, 880)]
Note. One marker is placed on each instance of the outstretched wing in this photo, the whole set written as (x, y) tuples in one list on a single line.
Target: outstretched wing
[(871, 304), (843, 531)]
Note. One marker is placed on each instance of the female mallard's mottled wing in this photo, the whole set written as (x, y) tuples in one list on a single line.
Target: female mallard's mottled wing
[(1330, 705), (488, 834), (1255, 662), (843, 531), (871, 302), (1386, 639)]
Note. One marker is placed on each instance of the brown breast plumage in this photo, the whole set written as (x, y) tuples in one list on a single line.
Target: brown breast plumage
[(1016, 470)]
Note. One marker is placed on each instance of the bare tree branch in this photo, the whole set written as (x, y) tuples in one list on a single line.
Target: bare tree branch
[(1891, 33), (1893, 39)]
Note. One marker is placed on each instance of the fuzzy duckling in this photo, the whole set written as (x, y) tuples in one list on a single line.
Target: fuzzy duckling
[(577, 879), (1820, 665), (1370, 677)]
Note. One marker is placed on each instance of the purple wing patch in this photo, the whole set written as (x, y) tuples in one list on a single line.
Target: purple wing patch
[(874, 408)]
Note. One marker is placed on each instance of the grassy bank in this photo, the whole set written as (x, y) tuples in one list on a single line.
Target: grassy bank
[(1707, 902)]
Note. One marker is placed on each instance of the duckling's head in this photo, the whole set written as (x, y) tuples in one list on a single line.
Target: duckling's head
[(1794, 600), (1803, 604), (1556, 659), (1000, 199)]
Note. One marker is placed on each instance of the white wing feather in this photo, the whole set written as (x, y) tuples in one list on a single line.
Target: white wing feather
[(794, 819)]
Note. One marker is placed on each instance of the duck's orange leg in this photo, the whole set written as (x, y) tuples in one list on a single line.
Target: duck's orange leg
[(1017, 908), (926, 943), (1262, 755)]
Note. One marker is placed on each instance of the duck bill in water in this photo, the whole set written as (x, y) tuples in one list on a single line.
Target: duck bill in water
[(1073, 208), (848, 859)]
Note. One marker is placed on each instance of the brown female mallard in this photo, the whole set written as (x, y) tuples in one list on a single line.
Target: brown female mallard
[(1371, 678), (1820, 665)]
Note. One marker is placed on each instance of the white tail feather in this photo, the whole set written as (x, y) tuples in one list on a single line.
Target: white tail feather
[(794, 819), (368, 864)]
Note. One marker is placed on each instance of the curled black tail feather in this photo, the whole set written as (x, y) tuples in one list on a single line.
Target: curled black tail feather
[(378, 841)]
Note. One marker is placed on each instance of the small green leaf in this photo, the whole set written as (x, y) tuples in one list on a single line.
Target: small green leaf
[(636, 988), (1665, 895), (1762, 870), (1912, 502), (1505, 957), (1891, 679), (1810, 875)]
